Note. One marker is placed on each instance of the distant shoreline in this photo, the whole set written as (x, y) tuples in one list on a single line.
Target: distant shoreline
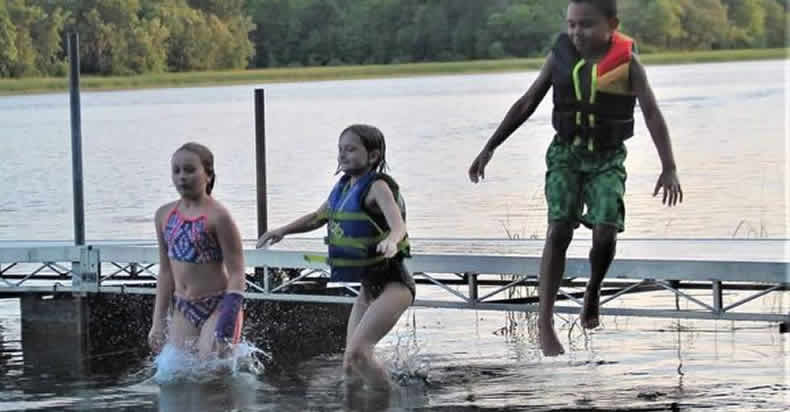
[(305, 74)]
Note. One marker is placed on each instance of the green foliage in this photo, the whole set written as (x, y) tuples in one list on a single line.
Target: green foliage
[(121, 37), (8, 51), (748, 18), (776, 19), (656, 25)]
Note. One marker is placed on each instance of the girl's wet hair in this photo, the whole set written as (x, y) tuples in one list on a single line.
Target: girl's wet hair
[(372, 139), (206, 160), (607, 7)]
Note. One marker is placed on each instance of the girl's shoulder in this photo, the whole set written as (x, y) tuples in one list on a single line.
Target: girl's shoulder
[(165, 210), (383, 180), (389, 180), (382, 183), (216, 212)]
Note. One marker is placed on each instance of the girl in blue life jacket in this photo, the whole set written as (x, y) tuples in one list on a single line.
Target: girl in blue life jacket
[(367, 241)]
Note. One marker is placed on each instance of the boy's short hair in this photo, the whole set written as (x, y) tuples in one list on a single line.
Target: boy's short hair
[(607, 7)]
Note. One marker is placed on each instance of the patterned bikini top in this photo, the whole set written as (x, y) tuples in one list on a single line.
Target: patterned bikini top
[(189, 241)]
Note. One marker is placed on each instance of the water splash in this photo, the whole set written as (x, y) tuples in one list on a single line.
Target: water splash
[(174, 364), (404, 360)]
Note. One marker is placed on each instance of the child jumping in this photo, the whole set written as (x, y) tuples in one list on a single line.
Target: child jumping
[(367, 243), (597, 79)]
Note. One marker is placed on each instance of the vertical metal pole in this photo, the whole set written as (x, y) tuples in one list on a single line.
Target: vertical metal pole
[(76, 139), (472, 279), (260, 176), (717, 296), (675, 284), (260, 160), (266, 286)]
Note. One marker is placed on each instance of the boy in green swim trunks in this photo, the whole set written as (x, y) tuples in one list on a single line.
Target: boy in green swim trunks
[(597, 79)]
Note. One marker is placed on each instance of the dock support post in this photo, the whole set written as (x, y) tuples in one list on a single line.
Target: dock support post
[(55, 334), (85, 276), (260, 171), (717, 297), (66, 334), (473, 292)]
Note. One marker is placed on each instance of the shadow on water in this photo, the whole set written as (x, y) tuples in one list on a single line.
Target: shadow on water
[(313, 385)]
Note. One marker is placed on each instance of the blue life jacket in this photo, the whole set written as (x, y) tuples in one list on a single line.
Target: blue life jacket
[(353, 232)]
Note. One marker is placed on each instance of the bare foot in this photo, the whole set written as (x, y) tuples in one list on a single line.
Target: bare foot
[(549, 342), (588, 317)]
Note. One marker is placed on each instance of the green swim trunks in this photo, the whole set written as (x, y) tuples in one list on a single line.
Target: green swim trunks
[(577, 178)]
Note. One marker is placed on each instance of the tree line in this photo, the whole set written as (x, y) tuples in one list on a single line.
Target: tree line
[(121, 37)]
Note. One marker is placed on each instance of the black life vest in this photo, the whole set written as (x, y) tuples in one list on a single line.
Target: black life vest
[(593, 103)]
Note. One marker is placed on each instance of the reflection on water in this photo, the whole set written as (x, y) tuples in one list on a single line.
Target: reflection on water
[(237, 392), (451, 360)]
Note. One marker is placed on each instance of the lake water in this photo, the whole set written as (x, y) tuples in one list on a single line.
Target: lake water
[(728, 127)]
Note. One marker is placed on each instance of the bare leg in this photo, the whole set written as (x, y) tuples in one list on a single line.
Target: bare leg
[(182, 333), (208, 345), (601, 257), (357, 311), (552, 268), (377, 321)]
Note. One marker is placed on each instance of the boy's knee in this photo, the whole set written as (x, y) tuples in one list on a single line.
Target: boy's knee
[(559, 234)]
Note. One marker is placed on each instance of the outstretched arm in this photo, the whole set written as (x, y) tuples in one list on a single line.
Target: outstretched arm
[(668, 180), (521, 110), (306, 223)]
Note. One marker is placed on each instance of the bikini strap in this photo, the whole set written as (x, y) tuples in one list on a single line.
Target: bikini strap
[(175, 207)]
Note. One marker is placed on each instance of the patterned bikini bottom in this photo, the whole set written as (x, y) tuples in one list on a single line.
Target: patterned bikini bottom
[(198, 310)]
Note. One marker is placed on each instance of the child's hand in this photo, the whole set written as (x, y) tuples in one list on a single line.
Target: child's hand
[(156, 339), (477, 169), (387, 247), (668, 181), (269, 238)]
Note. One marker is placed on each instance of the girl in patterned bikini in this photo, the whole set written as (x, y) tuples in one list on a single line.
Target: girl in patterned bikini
[(201, 266)]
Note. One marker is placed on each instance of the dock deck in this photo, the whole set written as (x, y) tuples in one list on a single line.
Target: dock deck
[(478, 274)]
